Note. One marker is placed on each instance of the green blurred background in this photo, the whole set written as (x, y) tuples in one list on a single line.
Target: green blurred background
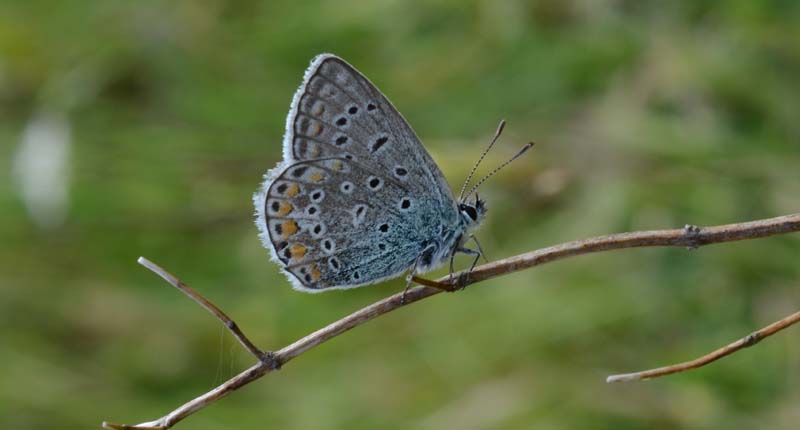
[(143, 128)]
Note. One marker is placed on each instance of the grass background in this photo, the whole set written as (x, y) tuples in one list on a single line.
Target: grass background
[(648, 114)]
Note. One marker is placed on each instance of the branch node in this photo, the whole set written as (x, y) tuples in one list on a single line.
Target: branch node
[(462, 281), (271, 360), (752, 339), (692, 234)]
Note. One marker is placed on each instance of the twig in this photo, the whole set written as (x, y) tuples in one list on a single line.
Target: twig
[(205, 303), (690, 237), (747, 341)]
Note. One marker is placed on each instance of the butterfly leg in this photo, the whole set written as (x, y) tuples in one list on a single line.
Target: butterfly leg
[(409, 280), (462, 279), (450, 278), (444, 286), (466, 251), (475, 239)]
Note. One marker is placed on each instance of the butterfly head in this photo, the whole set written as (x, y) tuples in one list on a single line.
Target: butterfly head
[(472, 214)]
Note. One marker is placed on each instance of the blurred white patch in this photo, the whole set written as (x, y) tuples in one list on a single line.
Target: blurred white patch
[(41, 168)]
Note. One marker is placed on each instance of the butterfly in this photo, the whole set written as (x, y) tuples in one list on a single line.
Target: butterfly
[(357, 199)]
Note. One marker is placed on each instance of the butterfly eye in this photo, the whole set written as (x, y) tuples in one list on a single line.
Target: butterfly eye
[(469, 210)]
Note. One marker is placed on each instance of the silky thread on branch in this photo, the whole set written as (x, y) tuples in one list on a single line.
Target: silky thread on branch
[(690, 237)]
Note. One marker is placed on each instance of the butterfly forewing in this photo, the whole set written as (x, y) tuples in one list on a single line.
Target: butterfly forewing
[(341, 113)]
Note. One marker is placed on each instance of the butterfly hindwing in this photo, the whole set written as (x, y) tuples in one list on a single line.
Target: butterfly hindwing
[(333, 224)]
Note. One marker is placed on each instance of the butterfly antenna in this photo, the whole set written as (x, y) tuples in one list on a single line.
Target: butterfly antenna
[(498, 168), (497, 134)]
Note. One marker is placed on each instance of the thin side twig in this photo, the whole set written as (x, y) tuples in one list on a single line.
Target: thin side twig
[(205, 303), (747, 341), (690, 237)]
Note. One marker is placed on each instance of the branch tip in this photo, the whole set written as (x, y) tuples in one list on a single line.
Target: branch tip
[(623, 377), (114, 426)]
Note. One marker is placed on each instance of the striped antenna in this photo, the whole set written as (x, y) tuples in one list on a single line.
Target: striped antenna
[(497, 169), (486, 151)]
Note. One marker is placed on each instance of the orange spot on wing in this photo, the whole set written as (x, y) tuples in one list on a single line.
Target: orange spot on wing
[(316, 129), (284, 209), (298, 251), (337, 165), (315, 273), (293, 190), (316, 177), (288, 228)]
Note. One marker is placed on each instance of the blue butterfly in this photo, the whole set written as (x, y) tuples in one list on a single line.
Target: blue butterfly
[(357, 199)]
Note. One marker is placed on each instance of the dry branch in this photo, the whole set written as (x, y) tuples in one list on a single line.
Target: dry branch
[(747, 341), (690, 237)]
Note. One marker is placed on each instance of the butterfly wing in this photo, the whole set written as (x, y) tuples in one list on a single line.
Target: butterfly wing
[(338, 119)]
